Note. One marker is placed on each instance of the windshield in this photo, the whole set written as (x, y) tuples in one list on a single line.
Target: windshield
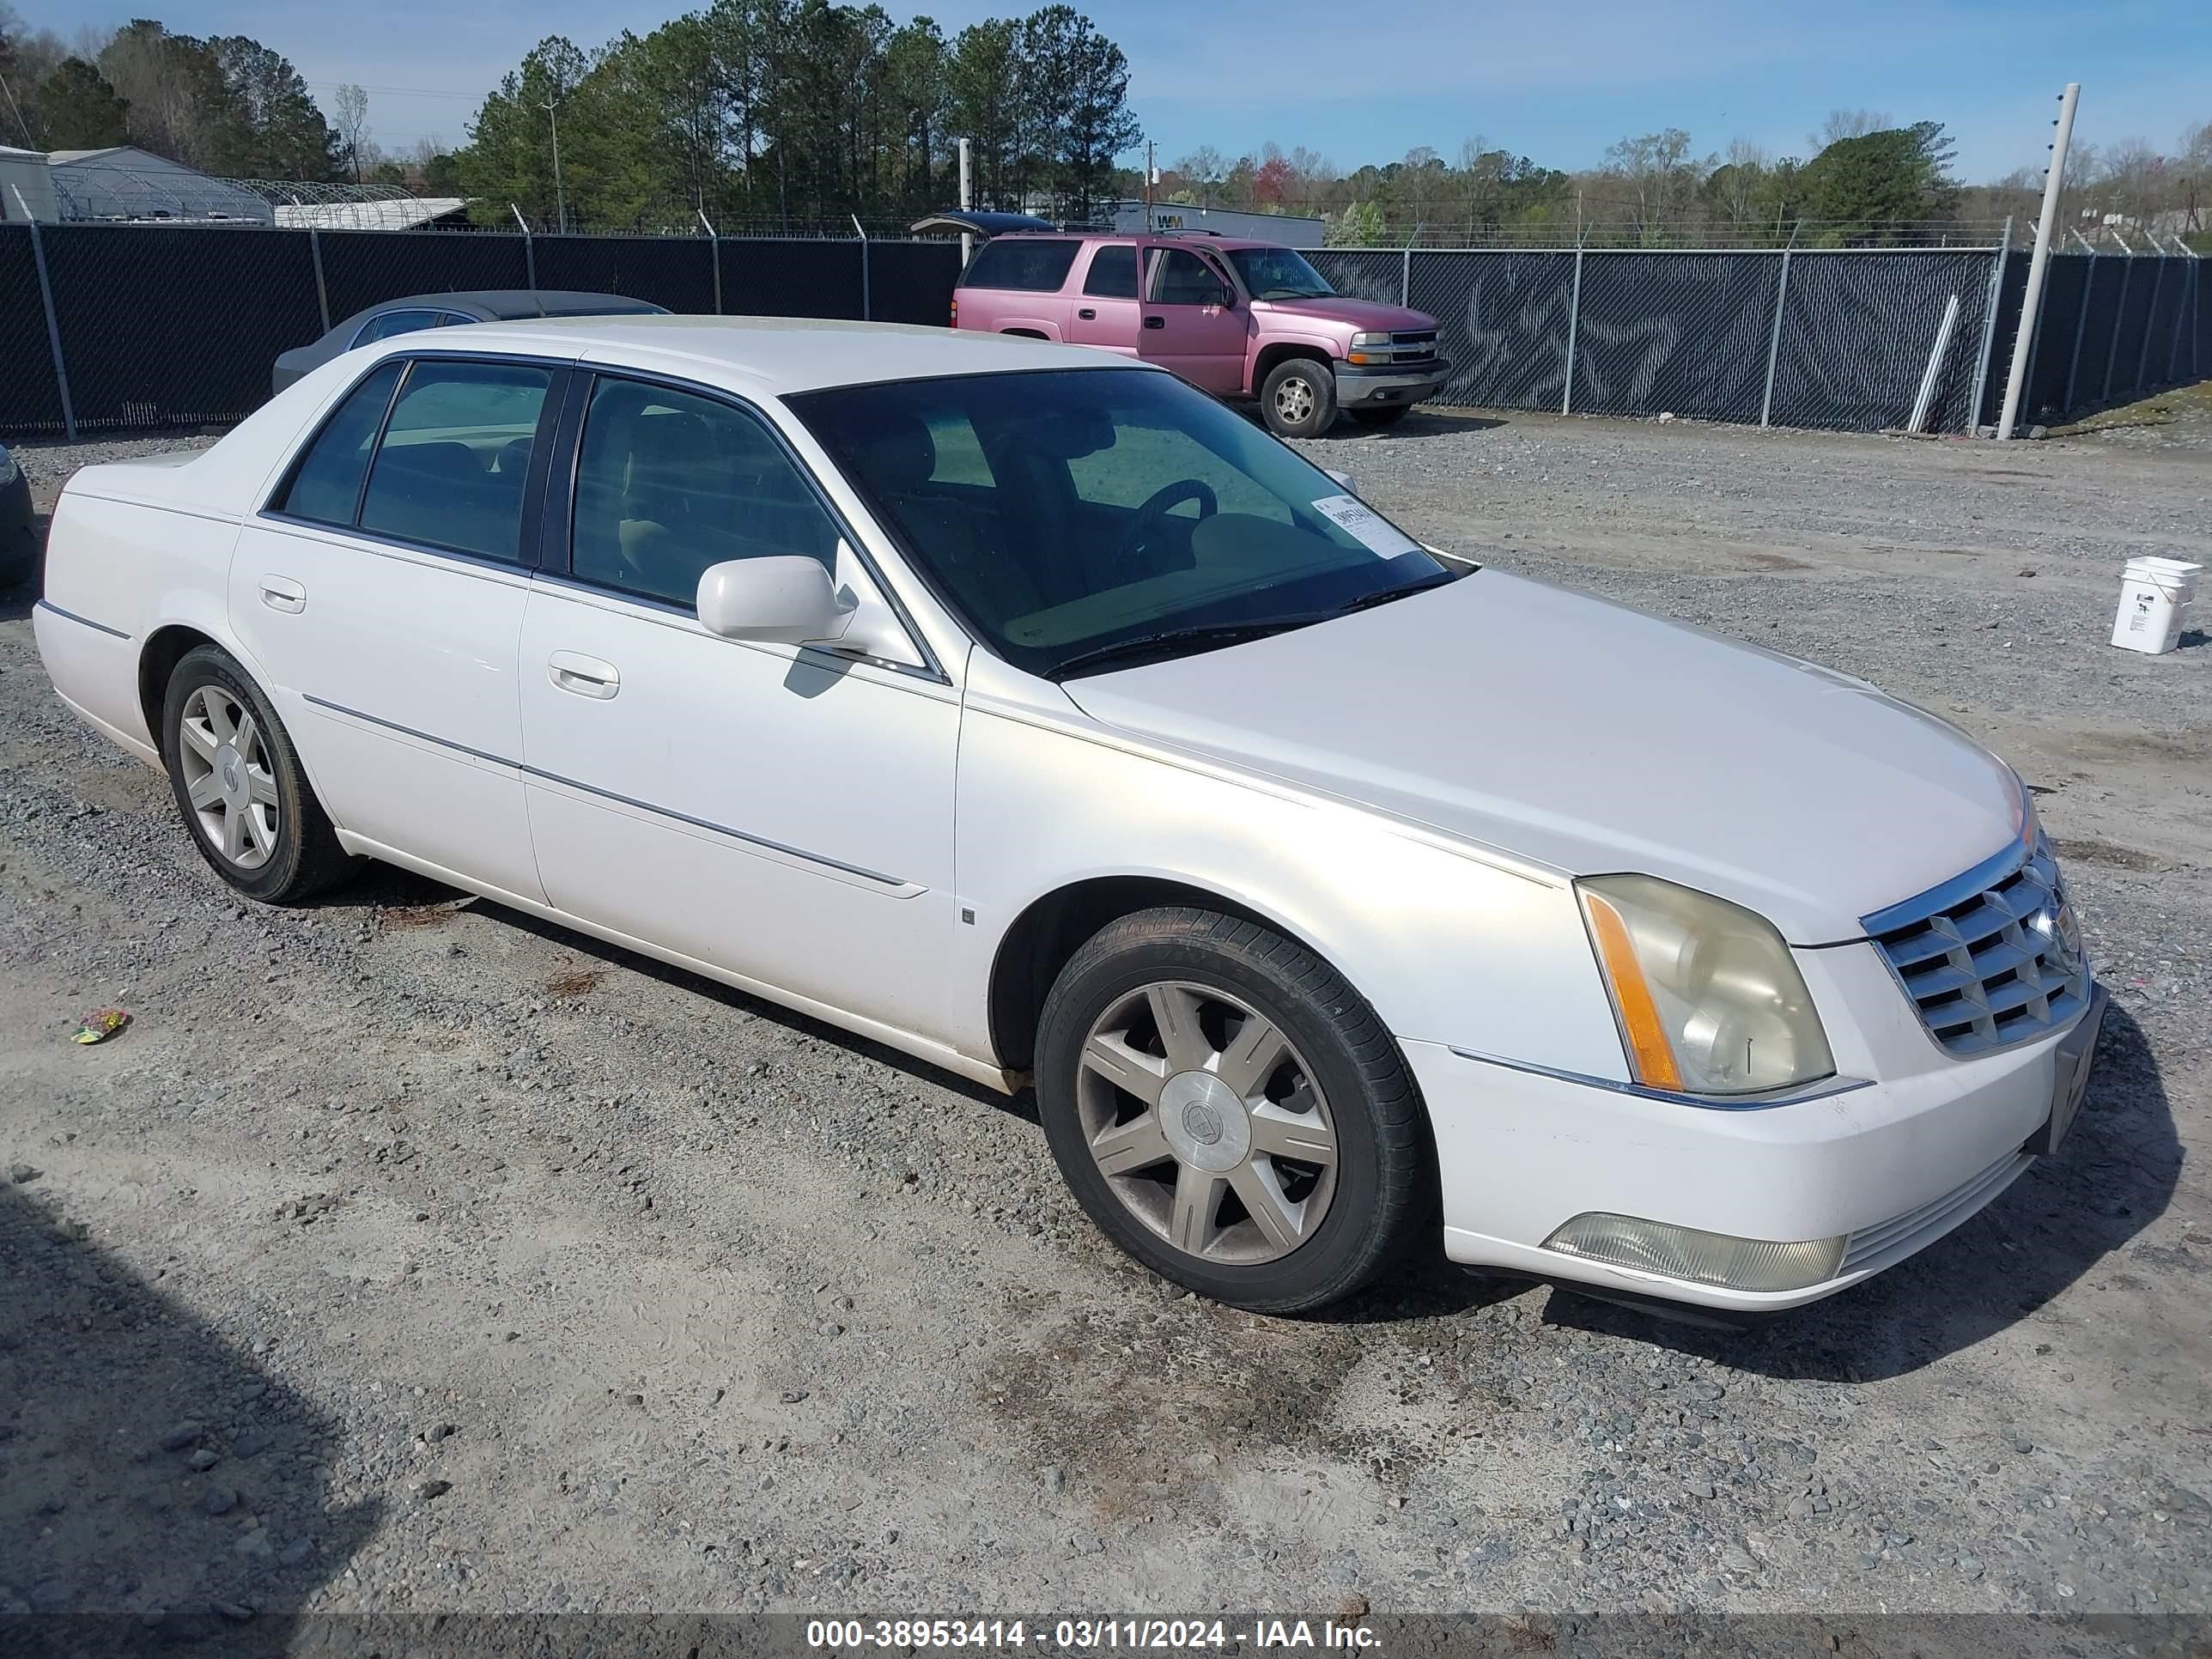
[(1107, 516), (1278, 273)]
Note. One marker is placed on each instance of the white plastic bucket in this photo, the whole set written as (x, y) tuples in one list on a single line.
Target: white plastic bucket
[(2154, 594)]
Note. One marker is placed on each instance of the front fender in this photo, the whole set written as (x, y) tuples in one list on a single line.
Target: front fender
[(1447, 945)]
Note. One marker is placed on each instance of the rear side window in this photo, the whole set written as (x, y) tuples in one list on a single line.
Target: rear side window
[(456, 451), (1113, 274), (396, 322), (325, 485), (1017, 262)]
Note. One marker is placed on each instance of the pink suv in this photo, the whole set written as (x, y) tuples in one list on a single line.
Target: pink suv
[(1239, 319)]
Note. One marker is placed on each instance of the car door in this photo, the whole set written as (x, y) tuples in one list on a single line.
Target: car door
[(776, 812), (1106, 309), (1193, 323), (380, 597)]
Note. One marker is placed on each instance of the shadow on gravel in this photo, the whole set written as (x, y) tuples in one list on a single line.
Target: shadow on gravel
[(2115, 1175), (110, 1540)]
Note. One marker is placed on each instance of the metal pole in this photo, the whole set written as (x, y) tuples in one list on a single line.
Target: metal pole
[(1774, 340), (714, 255), (2038, 264), (2080, 327), (560, 198), (529, 247), (1989, 327), (2150, 319), (1574, 316), (322, 289), (2119, 315), (967, 201), (1405, 278), (2188, 309), (864, 267), (53, 324)]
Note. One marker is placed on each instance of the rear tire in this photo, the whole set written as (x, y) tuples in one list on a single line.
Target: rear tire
[(239, 786), (1231, 1113), (1380, 417), (1299, 398)]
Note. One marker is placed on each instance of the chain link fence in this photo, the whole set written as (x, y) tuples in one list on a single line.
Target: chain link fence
[(118, 326)]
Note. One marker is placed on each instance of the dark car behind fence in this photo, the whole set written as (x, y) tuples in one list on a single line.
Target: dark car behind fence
[(142, 326)]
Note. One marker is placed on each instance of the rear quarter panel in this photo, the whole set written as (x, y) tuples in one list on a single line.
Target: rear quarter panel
[(1000, 311)]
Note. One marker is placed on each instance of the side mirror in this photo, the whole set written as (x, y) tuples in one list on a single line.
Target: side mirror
[(1222, 299), (785, 600)]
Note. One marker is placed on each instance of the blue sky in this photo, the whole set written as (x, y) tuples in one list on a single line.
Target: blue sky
[(1556, 80)]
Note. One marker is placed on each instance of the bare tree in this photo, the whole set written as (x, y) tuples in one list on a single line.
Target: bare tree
[(1654, 177), (1740, 184), (1843, 124), (353, 124), (2194, 166)]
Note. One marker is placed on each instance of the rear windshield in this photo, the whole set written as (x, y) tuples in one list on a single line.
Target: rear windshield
[(1021, 262)]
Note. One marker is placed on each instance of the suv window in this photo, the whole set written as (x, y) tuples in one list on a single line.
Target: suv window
[(668, 484), (325, 484), (450, 470), (1113, 274), (1019, 262), (397, 322), (1180, 277)]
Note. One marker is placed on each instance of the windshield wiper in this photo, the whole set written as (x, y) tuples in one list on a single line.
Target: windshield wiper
[(1384, 595), (1199, 638)]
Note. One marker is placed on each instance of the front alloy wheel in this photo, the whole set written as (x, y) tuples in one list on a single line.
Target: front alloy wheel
[(1207, 1125), (1230, 1113)]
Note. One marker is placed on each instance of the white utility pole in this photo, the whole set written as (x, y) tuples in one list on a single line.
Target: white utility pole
[(2039, 267), (967, 201), (560, 196)]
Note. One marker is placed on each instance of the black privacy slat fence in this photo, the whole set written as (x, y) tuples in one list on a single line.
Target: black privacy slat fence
[(173, 324)]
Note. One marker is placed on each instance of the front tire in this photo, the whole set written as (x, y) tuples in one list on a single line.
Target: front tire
[(239, 786), (1231, 1113), (1299, 398)]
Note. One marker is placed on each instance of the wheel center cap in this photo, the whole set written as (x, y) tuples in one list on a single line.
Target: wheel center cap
[(230, 771), (1205, 1124)]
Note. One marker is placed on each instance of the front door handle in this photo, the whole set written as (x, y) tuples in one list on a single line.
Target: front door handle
[(1156, 322), (1087, 314), (587, 676), (282, 593)]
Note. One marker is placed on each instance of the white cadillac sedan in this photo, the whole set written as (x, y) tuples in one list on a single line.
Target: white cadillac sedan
[(1026, 710)]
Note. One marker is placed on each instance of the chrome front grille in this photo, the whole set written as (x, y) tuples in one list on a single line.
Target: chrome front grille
[(1416, 346), (1991, 958)]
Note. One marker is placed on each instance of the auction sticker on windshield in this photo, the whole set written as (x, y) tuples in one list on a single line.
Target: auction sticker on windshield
[(1355, 517)]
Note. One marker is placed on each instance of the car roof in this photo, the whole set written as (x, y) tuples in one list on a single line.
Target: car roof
[(773, 355), (1195, 238), (516, 302)]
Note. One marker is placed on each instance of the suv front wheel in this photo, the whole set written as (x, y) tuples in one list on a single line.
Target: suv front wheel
[(1299, 398)]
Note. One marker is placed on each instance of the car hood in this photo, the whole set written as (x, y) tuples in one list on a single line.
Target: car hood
[(1355, 314), (1593, 738)]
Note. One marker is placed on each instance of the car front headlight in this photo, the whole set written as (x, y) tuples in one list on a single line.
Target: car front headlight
[(1370, 339), (1707, 996)]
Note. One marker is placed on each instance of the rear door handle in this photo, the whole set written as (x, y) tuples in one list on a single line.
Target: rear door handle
[(1156, 322), (1088, 314), (282, 593), (587, 676)]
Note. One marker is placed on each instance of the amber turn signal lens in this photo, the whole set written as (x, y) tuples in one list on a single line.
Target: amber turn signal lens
[(1648, 1047)]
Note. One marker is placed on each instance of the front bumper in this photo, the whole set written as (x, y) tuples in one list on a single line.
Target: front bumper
[(1893, 1164), (1380, 388)]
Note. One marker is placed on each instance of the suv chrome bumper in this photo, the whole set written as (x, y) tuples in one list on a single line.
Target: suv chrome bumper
[(1367, 388)]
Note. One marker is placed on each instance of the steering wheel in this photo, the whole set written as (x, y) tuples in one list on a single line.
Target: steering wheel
[(1156, 507)]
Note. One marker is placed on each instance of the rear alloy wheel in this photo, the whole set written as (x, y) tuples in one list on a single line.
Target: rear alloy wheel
[(238, 784), (1299, 398), (1230, 1113)]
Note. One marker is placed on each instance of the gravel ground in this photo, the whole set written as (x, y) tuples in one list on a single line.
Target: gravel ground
[(408, 1254)]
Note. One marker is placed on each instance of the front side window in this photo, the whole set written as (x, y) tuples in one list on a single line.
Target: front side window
[(1180, 277), (1278, 273), (455, 454), (668, 484), (1084, 519), (1019, 262), (326, 484), (396, 322)]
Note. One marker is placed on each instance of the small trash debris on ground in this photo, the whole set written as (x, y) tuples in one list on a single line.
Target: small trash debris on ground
[(100, 1026)]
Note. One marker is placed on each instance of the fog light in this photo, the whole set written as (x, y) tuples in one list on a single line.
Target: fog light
[(1736, 1264)]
